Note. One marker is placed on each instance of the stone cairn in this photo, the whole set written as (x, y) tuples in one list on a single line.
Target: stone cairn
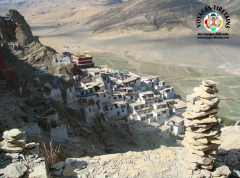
[(14, 141), (202, 127)]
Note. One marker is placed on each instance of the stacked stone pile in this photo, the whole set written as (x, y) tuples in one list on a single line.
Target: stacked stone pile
[(14, 141), (202, 127)]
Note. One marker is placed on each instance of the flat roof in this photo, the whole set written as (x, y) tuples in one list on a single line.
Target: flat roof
[(163, 128), (127, 88), (113, 103), (167, 88), (175, 119), (178, 103), (136, 104), (130, 79), (146, 92), (160, 110), (116, 93), (146, 108), (93, 69)]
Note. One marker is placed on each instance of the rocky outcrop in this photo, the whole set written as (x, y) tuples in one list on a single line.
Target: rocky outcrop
[(16, 36), (157, 163), (16, 29)]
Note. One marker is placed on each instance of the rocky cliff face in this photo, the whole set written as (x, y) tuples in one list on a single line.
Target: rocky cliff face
[(21, 47), (16, 29)]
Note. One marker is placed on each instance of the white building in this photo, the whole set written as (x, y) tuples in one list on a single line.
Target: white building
[(129, 94), (134, 107), (177, 107), (164, 132), (61, 59), (69, 95), (93, 71), (149, 82), (161, 115), (159, 105), (53, 94), (167, 93), (134, 82), (176, 124), (103, 97), (160, 86), (118, 108), (148, 98)]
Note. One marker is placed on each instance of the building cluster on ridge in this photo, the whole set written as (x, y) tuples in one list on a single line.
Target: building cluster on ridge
[(145, 103)]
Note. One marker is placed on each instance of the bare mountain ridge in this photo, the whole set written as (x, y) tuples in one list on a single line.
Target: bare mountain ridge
[(152, 15), (46, 6)]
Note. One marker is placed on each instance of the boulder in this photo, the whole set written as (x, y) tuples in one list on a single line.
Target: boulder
[(39, 172), (15, 170), (222, 170), (32, 130), (31, 145), (59, 133), (13, 134), (58, 166)]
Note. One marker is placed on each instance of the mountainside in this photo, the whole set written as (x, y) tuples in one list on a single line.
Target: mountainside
[(152, 15), (56, 10)]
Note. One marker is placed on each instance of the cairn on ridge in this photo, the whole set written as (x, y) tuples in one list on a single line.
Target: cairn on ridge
[(202, 127)]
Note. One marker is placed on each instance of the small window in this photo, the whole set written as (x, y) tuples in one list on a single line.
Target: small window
[(123, 110), (114, 98), (111, 108), (104, 95), (123, 106), (155, 100)]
